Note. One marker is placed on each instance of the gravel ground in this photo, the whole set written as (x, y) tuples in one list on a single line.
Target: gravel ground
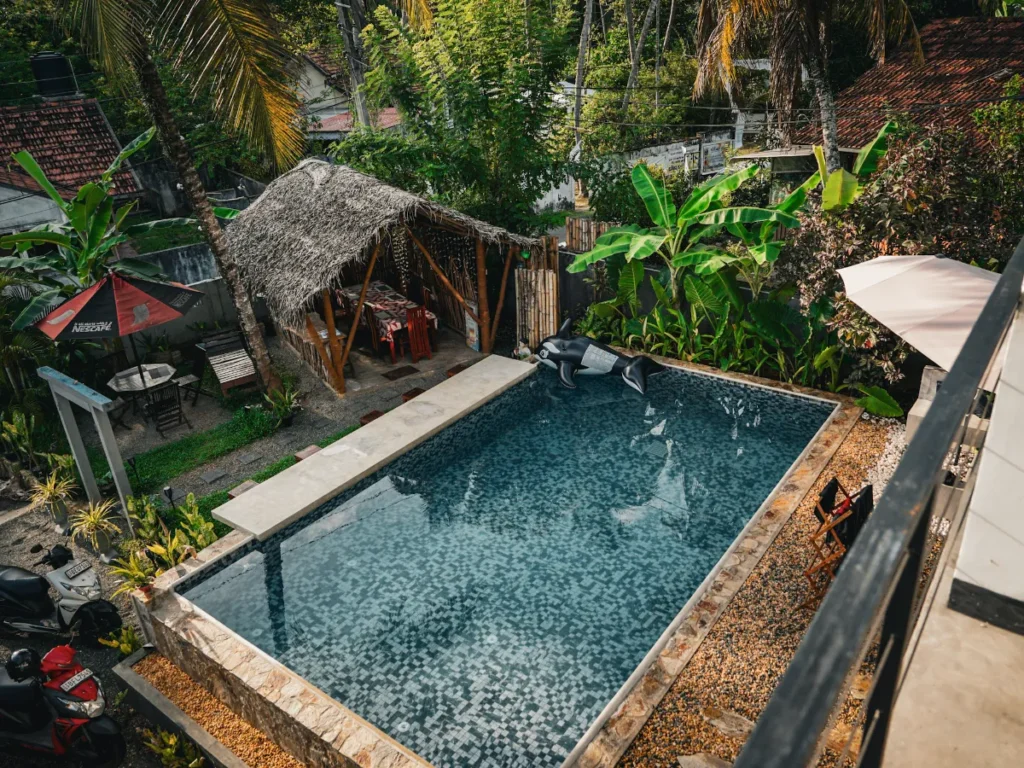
[(737, 667), (16, 539), (250, 744)]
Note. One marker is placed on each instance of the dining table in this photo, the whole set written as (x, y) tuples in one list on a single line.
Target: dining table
[(389, 310), (130, 381)]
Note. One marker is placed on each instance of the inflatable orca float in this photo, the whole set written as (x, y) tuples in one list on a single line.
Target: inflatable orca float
[(569, 354)]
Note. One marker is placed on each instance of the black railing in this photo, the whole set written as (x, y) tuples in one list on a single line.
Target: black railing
[(879, 592)]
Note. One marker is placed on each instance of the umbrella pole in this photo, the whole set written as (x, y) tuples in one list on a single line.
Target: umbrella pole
[(138, 361)]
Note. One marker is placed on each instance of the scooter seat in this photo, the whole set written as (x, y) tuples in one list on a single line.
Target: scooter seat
[(21, 584), (17, 695)]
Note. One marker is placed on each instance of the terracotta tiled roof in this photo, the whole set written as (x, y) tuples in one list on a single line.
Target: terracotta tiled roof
[(386, 118), (966, 61), (328, 61), (71, 141)]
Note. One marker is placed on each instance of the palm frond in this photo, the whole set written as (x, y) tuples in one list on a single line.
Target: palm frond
[(109, 30), (245, 64), (891, 21)]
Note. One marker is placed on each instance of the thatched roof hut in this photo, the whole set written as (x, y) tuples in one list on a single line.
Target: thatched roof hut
[(293, 241)]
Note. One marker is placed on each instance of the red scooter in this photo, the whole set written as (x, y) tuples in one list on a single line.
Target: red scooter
[(53, 706)]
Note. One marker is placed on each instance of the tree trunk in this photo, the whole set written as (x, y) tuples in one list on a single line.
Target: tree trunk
[(353, 54), (635, 69), (630, 32), (827, 107), (177, 152), (668, 27), (581, 61)]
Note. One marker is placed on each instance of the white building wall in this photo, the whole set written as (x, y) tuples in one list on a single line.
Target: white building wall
[(21, 210), (992, 553), (318, 94)]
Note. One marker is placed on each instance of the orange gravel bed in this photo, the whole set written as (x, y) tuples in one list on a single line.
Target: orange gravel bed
[(249, 743)]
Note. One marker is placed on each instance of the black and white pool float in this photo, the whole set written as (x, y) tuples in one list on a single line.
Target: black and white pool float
[(571, 354)]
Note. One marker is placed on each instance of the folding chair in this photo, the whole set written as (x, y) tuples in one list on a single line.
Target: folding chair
[(163, 406), (838, 529), (191, 383), (419, 339)]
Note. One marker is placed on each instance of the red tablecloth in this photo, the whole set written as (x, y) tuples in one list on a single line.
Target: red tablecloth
[(389, 307)]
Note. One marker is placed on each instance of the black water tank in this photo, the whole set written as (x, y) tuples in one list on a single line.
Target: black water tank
[(53, 73)]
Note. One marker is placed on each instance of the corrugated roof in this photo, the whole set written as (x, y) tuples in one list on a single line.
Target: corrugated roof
[(70, 140), (386, 118), (966, 61)]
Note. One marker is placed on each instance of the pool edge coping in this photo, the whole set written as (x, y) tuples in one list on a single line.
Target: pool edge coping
[(620, 722)]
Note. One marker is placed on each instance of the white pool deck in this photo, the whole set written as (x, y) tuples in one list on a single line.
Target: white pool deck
[(286, 497)]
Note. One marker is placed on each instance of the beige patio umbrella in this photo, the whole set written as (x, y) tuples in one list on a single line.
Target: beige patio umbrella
[(930, 302)]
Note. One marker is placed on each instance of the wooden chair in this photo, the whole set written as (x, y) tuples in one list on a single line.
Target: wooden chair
[(191, 382), (229, 357), (163, 406), (372, 328), (839, 525), (419, 338)]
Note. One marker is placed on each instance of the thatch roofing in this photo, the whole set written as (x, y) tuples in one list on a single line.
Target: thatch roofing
[(292, 242)]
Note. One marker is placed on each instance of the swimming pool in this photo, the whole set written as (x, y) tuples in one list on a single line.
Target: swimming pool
[(481, 598)]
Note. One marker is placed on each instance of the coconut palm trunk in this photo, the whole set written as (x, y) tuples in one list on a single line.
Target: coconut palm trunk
[(353, 52), (178, 153), (634, 70), (581, 62), (827, 110)]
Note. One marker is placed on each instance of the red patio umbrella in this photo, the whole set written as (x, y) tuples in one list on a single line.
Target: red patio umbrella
[(119, 305)]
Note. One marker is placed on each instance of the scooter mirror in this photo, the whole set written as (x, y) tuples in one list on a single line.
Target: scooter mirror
[(36, 548)]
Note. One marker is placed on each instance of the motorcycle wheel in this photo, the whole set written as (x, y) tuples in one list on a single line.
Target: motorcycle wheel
[(95, 620), (100, 747)]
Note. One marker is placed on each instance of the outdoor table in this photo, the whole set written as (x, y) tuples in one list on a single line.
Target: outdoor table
[(129, 382), (389, 308)]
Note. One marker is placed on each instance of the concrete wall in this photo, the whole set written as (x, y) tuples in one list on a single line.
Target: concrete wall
[(21, 210), (992, 553), (315, 91), (193, 265)]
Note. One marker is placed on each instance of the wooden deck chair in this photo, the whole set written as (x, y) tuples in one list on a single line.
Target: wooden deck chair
[(229, 357), (840, 523), (419, 338)]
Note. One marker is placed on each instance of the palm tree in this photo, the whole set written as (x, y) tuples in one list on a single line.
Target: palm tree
[(230, 47), (799, 37), (581, 61)]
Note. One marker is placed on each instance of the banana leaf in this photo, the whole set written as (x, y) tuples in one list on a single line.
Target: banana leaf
[(656, 198), (878, 402)]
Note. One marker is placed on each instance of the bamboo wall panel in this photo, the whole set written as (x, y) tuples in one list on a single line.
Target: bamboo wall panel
[(581, 232), (536, 305)]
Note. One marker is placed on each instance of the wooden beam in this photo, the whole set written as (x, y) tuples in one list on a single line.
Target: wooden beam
[(441, 276), (513, 251), (359, 307), (332, 336), (481, 297), (314, 336)]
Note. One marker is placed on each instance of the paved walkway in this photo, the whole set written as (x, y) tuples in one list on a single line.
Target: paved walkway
[(323, 414), (962, 702)]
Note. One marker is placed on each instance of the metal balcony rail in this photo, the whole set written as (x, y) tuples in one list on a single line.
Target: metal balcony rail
[(880, 592)]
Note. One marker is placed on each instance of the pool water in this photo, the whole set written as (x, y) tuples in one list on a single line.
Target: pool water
[(483, 597)]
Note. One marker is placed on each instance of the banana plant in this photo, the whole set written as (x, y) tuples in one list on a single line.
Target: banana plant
[(80, 250), (841, 187), (678, 231)]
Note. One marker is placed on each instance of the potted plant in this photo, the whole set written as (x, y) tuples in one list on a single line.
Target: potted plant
[(137, 572), (53, 494), (284, 403), (95, 528)]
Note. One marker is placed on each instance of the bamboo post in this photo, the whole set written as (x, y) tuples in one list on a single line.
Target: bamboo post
[(513, 251), (314, 336), (359, 308), (442, 277), (481, 297), (332, 336)]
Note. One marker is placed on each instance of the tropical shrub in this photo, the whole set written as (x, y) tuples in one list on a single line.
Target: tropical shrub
[(135, 570), (126, 640), (94, 523), (173, 750), (935, 191)]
